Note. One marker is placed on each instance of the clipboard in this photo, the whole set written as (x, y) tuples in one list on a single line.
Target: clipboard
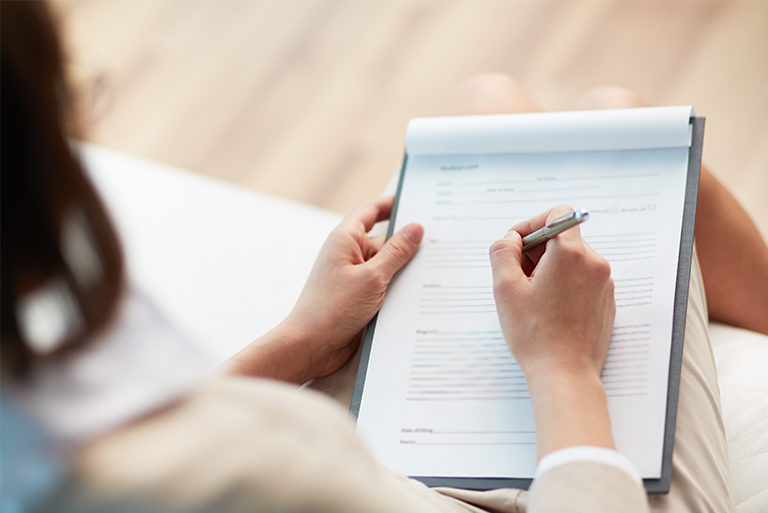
[(656, 485)]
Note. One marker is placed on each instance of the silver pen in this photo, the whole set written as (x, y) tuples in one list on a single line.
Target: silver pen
[(559, 225)]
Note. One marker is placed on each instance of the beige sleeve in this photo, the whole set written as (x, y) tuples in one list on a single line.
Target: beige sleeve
[(241, 444), (589, 487)]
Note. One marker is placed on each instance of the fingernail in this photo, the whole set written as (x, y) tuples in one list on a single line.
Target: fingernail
[(414, 232)]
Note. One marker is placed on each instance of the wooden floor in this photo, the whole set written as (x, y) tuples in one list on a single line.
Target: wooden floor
[(309, 99)]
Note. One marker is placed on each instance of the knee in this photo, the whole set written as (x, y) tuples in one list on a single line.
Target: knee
[(609, 97), (489, 93), (492, 83)]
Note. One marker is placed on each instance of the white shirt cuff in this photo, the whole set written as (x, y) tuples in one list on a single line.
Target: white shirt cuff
[(588, 453)]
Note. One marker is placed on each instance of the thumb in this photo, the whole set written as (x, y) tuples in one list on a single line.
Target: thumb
[(507, 259), (398, 250)]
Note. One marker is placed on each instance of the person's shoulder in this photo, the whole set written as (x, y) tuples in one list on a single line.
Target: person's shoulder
[(243, 406), (229, 411), (240, 444), (231, 438)]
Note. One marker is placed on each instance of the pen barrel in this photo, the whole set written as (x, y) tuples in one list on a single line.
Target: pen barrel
[(557, 226), (534, 239)]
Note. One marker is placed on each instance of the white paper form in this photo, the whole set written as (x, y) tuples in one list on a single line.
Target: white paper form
[(443, 396)]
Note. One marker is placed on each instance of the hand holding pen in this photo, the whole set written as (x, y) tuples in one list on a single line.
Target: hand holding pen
[(553, 228)]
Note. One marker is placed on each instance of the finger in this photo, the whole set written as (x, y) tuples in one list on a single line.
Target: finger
[(532, 256), (540, 220), (398, 250), (373, 245), (507, 260), (371, 212), (591, 252), (531, 259), (570, 236)]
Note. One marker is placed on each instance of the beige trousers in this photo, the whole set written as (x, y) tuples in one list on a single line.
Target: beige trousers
[(700, 471)]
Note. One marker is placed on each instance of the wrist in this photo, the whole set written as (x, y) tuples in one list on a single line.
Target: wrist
[(574, 367), (570, 407), (298, 348), (565, 381), (309, 342), (279, 354), (563, 363)]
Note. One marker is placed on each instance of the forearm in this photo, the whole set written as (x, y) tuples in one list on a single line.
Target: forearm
[(280, 354), (570, 408), (733, 256)]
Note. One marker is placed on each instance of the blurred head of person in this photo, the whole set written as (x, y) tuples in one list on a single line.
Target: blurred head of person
[(62, 266)]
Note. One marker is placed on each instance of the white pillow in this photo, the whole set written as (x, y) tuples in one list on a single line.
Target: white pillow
[(742, 366)]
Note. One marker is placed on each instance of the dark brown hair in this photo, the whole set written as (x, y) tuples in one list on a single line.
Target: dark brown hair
[(45, 193)]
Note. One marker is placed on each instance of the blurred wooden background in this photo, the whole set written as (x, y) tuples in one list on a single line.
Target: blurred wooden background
[(309, 99)]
